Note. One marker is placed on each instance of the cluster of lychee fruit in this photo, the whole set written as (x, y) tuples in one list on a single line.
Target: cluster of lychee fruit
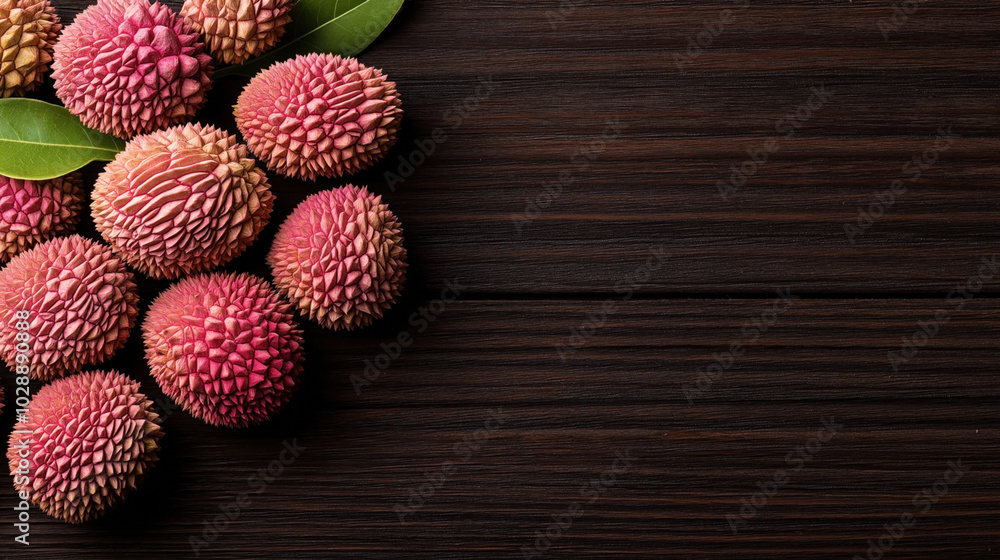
[(181, 200)]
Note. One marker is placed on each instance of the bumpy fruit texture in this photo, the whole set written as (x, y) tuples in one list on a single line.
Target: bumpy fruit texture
[(339, 258), (33, 211), (90, 439), (225, 347), (82, 304), (127, 67), (28, 29), (181, 200), (319, 115), (237, 30)]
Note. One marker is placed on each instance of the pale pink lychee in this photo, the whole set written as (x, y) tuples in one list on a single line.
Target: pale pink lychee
[(339, 258), (84, 442), (33, 211), (225, 347), (127, 67), (319, 115), (81, 302), (182, 200)]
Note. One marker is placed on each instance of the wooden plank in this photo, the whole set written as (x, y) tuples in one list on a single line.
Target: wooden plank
[(555, 86), (562, 424), (519, 94)]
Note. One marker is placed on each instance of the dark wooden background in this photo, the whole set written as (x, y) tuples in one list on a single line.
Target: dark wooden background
[(555, 84)]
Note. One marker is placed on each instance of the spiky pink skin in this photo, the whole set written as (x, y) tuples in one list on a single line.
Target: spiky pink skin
[(82, 300), (319, 115), (237, 30), (182, 200), (28, 29), (128, 67), (90, 439), (339, 258), (33, 211), (225, 347)]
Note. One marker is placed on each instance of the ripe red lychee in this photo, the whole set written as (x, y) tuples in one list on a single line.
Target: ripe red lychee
[(339, 258), (84, 442), (225, 347), (319, 115), (81, 301), (128, 67), (33, 211)]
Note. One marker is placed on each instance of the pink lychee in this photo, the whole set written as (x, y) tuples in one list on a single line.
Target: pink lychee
[(81, 301), (182, 200), (127, 67), (339, 257), (33, 211), (319, 115), (225, 347), (84, 442)]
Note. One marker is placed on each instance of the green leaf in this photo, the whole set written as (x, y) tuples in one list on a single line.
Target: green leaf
[(39, 140), (344, 27)]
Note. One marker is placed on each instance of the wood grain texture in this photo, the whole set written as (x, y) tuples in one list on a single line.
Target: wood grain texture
[(693, 463), (518, 96)]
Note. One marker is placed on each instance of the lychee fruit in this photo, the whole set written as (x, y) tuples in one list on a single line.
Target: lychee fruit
[(84, 442), (33, 211), (127, 67), (339, 258), (225, 347), (28, 29), (237, 30), (182, 200), (319, 115), (81, 302)]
